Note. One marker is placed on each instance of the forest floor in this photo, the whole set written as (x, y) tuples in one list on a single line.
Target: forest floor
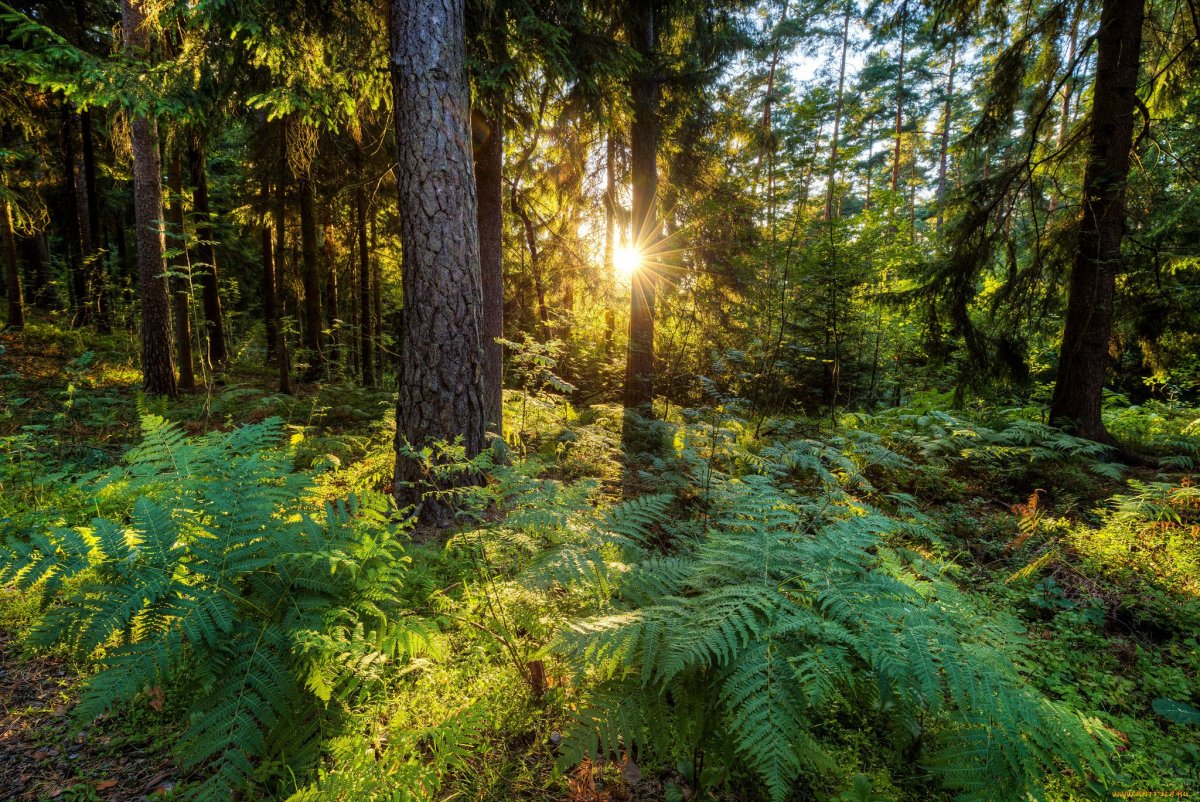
[(1112, 622)]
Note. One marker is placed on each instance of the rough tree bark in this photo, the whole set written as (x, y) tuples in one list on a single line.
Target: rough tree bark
[(441, 373), (1083, 357), (158, 372), (213, 325), (643, 135), (180, 284)]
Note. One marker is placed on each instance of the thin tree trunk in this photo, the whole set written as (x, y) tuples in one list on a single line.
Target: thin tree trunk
[(180, 282), (279, 212), (206, 247), (377, 301), (94, 256), (1083, 358), (330, 296), (441, 385), (944, 147), (12, 272), (311, 278), (489, 167), (645, 89), (870, 147), (76, 275), (837, 116), (364, 274), (270, 312), (900, 96), (158, 370)]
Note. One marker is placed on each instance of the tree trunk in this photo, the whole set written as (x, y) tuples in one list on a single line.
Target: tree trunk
[(900, 96), (180, 282), (158, 372), (311, 279), (944, 149), (837, 116), (441, 384), (12, 273), (270, 312), (489, 165), (329, 252), (76, 275), (214, 327), (377, 300), (279, 212), (643, 134), (94, 255), (1083, 358), (364, 275)]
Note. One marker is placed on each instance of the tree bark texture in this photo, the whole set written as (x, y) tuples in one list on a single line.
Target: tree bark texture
[(489, 164), (441, 373), (1083, 356), (158, 370)]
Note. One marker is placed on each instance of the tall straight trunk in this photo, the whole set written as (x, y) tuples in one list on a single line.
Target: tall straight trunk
[(610, 236), (441, 383), (311, 278), (76, 274), (944, 146), (1083, 357), (180, 282), (870, 147), (12, 272), (158, 370), (643, 135), (279, 214), (367, 356), (270, 313), (900, 96), (489, 166), (377, 301), (94, 255), (837, 116), (330, 296), (214, 327)]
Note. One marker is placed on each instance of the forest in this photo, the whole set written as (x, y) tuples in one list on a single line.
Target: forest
[(627, 401)]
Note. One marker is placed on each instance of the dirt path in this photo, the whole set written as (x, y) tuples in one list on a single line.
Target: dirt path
[(117, 759)]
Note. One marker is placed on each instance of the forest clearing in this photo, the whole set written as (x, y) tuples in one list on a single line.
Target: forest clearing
[(737, 400)]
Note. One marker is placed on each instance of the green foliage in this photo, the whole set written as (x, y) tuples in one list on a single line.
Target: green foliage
[(271, 615), (790, 614)]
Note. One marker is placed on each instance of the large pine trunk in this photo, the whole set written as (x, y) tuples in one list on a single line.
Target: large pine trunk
[(441, 373), (12, 273), (180, 283), (158, 372), (207, 249), (489, 164), (643, 136), (1083, 357)]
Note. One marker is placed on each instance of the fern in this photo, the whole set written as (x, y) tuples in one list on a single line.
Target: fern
[(791, 610), (281, 613)]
